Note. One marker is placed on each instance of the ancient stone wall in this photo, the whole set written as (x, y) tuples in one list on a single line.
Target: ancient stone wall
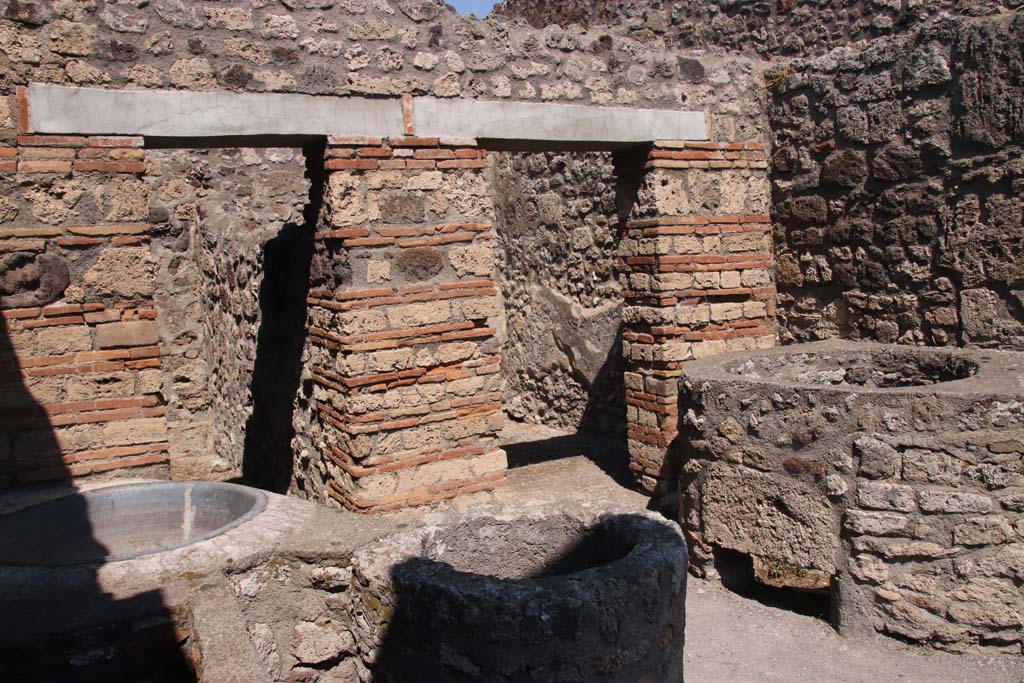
[(896, 141), (221, 214), (697, 279), (347, 48), (764, 27), (198, 223), (403, 308), (891, 476), (557, 228), (896, 188)]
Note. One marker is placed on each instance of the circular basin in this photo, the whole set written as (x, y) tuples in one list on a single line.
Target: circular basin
[(547, 595), (124, 522)]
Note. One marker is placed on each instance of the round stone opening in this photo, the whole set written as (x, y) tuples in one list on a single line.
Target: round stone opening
[(539, 594), (528, 549), (882, 369), (124, 522)]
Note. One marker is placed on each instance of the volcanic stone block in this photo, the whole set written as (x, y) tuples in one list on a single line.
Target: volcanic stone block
[(769, 516)]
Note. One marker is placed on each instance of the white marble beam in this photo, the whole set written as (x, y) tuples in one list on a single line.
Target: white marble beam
[(546, 122), (177, 113), (182, 114)]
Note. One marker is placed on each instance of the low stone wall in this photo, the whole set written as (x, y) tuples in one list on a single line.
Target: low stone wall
[(894, 476)]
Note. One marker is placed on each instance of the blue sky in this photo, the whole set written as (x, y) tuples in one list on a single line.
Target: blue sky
[(481, 8)]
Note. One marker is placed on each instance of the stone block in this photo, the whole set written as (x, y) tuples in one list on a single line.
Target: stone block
[(983, 531), (52, 341), (419, 263), (769, 516), (100, 385), (475, 259), (419, 314), (389, 360), (128, 272), (877, 523), (878, 496), (878, 460), (954, 502), (897, 549), (362, 322), (479, 308), (134, 333), (930, 466)]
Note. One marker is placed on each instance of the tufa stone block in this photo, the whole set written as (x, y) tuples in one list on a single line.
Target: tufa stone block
[(135, 333)]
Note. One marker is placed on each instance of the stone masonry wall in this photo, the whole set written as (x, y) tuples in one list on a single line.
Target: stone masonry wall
[(345, 48), (896, 146), (762, 27), (216, 211), (897, 188), (557, 229), (200, 215), (695, 261)]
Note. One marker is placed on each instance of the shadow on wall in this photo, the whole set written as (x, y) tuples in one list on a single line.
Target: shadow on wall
[(577, 614), (601, 436), (605, 412), (60, 625), (267, 461)]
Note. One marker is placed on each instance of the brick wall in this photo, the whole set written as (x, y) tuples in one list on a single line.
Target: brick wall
[(402, 325), (79, 353), (697, 280)]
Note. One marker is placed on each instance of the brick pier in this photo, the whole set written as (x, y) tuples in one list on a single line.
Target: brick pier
[(696, 282), (402, 320), (81, 389)]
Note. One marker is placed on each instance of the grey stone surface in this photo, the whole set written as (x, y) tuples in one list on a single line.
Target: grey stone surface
[(72, 110), (553, 122), (172, 113)]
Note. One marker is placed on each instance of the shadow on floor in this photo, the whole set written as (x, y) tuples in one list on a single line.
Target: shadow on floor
[(608, 452)]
